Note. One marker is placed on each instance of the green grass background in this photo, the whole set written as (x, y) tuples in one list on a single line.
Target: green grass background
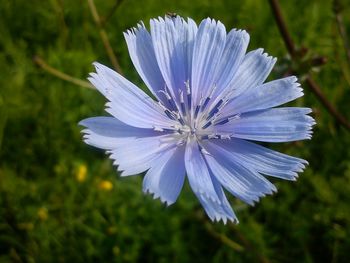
[(48, 215)]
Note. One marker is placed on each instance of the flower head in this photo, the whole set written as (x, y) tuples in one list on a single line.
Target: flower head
[(210, 102)]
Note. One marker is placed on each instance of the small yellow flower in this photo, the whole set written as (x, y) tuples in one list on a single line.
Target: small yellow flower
[(106, 185), (81, 173), (43, 214)]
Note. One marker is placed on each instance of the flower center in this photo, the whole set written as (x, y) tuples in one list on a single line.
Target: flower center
[(196, 118)]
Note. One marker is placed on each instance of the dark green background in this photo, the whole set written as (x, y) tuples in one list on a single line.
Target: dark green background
[(41, 147)]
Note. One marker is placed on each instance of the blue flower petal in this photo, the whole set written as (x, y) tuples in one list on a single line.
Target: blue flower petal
[(214, 210), (246, 184), (112, 127), (166, 178), (268, 95), (108, 132), (133, 149), (236, 45), (128, 103), (253, 71), (263, 160), (205, 186), (197, 172), (208, 48), (139, 154), (232, 182), (271, 125), (173, 46), (142, 54)]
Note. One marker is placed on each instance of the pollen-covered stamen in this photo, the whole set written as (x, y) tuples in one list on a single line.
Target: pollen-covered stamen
[(174, 113), (203, 150), (198, 107), (213, 117), (206, 125), (182, 104), (209, 98), (189, 96), (212, 120), (215, 135), (169, 99), (227, 119), (215, 109), (170, 114), (205, 103), (225, 136), (155, 128), (179, 118)]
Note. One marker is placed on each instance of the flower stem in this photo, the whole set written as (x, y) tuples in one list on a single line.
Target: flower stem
[(104, 37), (116, 5), (223, 238), (42, 64)]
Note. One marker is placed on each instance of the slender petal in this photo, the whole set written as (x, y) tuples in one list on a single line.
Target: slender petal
[(142, 54), (208, 48), (173, 44), (233, 182), (236, 45), (217, 211), (253, 71), (205, 186), (268, 95), (190, 37), (127, 102), (195, 165), (112, 127), (186, 32), (271, 125), (108, 132), (138, 155), (263, 160), (246, 184), (166, 178)]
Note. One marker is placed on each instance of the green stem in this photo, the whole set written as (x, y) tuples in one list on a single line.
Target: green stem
[(42, 64)]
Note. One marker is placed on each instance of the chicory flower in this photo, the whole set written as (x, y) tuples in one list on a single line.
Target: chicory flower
[(210, 101)]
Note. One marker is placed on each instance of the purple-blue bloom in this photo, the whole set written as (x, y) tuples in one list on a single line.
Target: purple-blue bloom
[(211, 101)]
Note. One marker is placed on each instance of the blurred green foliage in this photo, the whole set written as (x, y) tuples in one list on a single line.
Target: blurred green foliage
[(62, 201)]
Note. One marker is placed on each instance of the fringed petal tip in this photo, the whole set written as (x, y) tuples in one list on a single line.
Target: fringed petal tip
[(122, 170), (225, 219), (98, 65), (84, 124), (166, 18), (86, 133), (132, 32), (155, 196), (218, 212), (244, 35), (271, 59), (256, 197)]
